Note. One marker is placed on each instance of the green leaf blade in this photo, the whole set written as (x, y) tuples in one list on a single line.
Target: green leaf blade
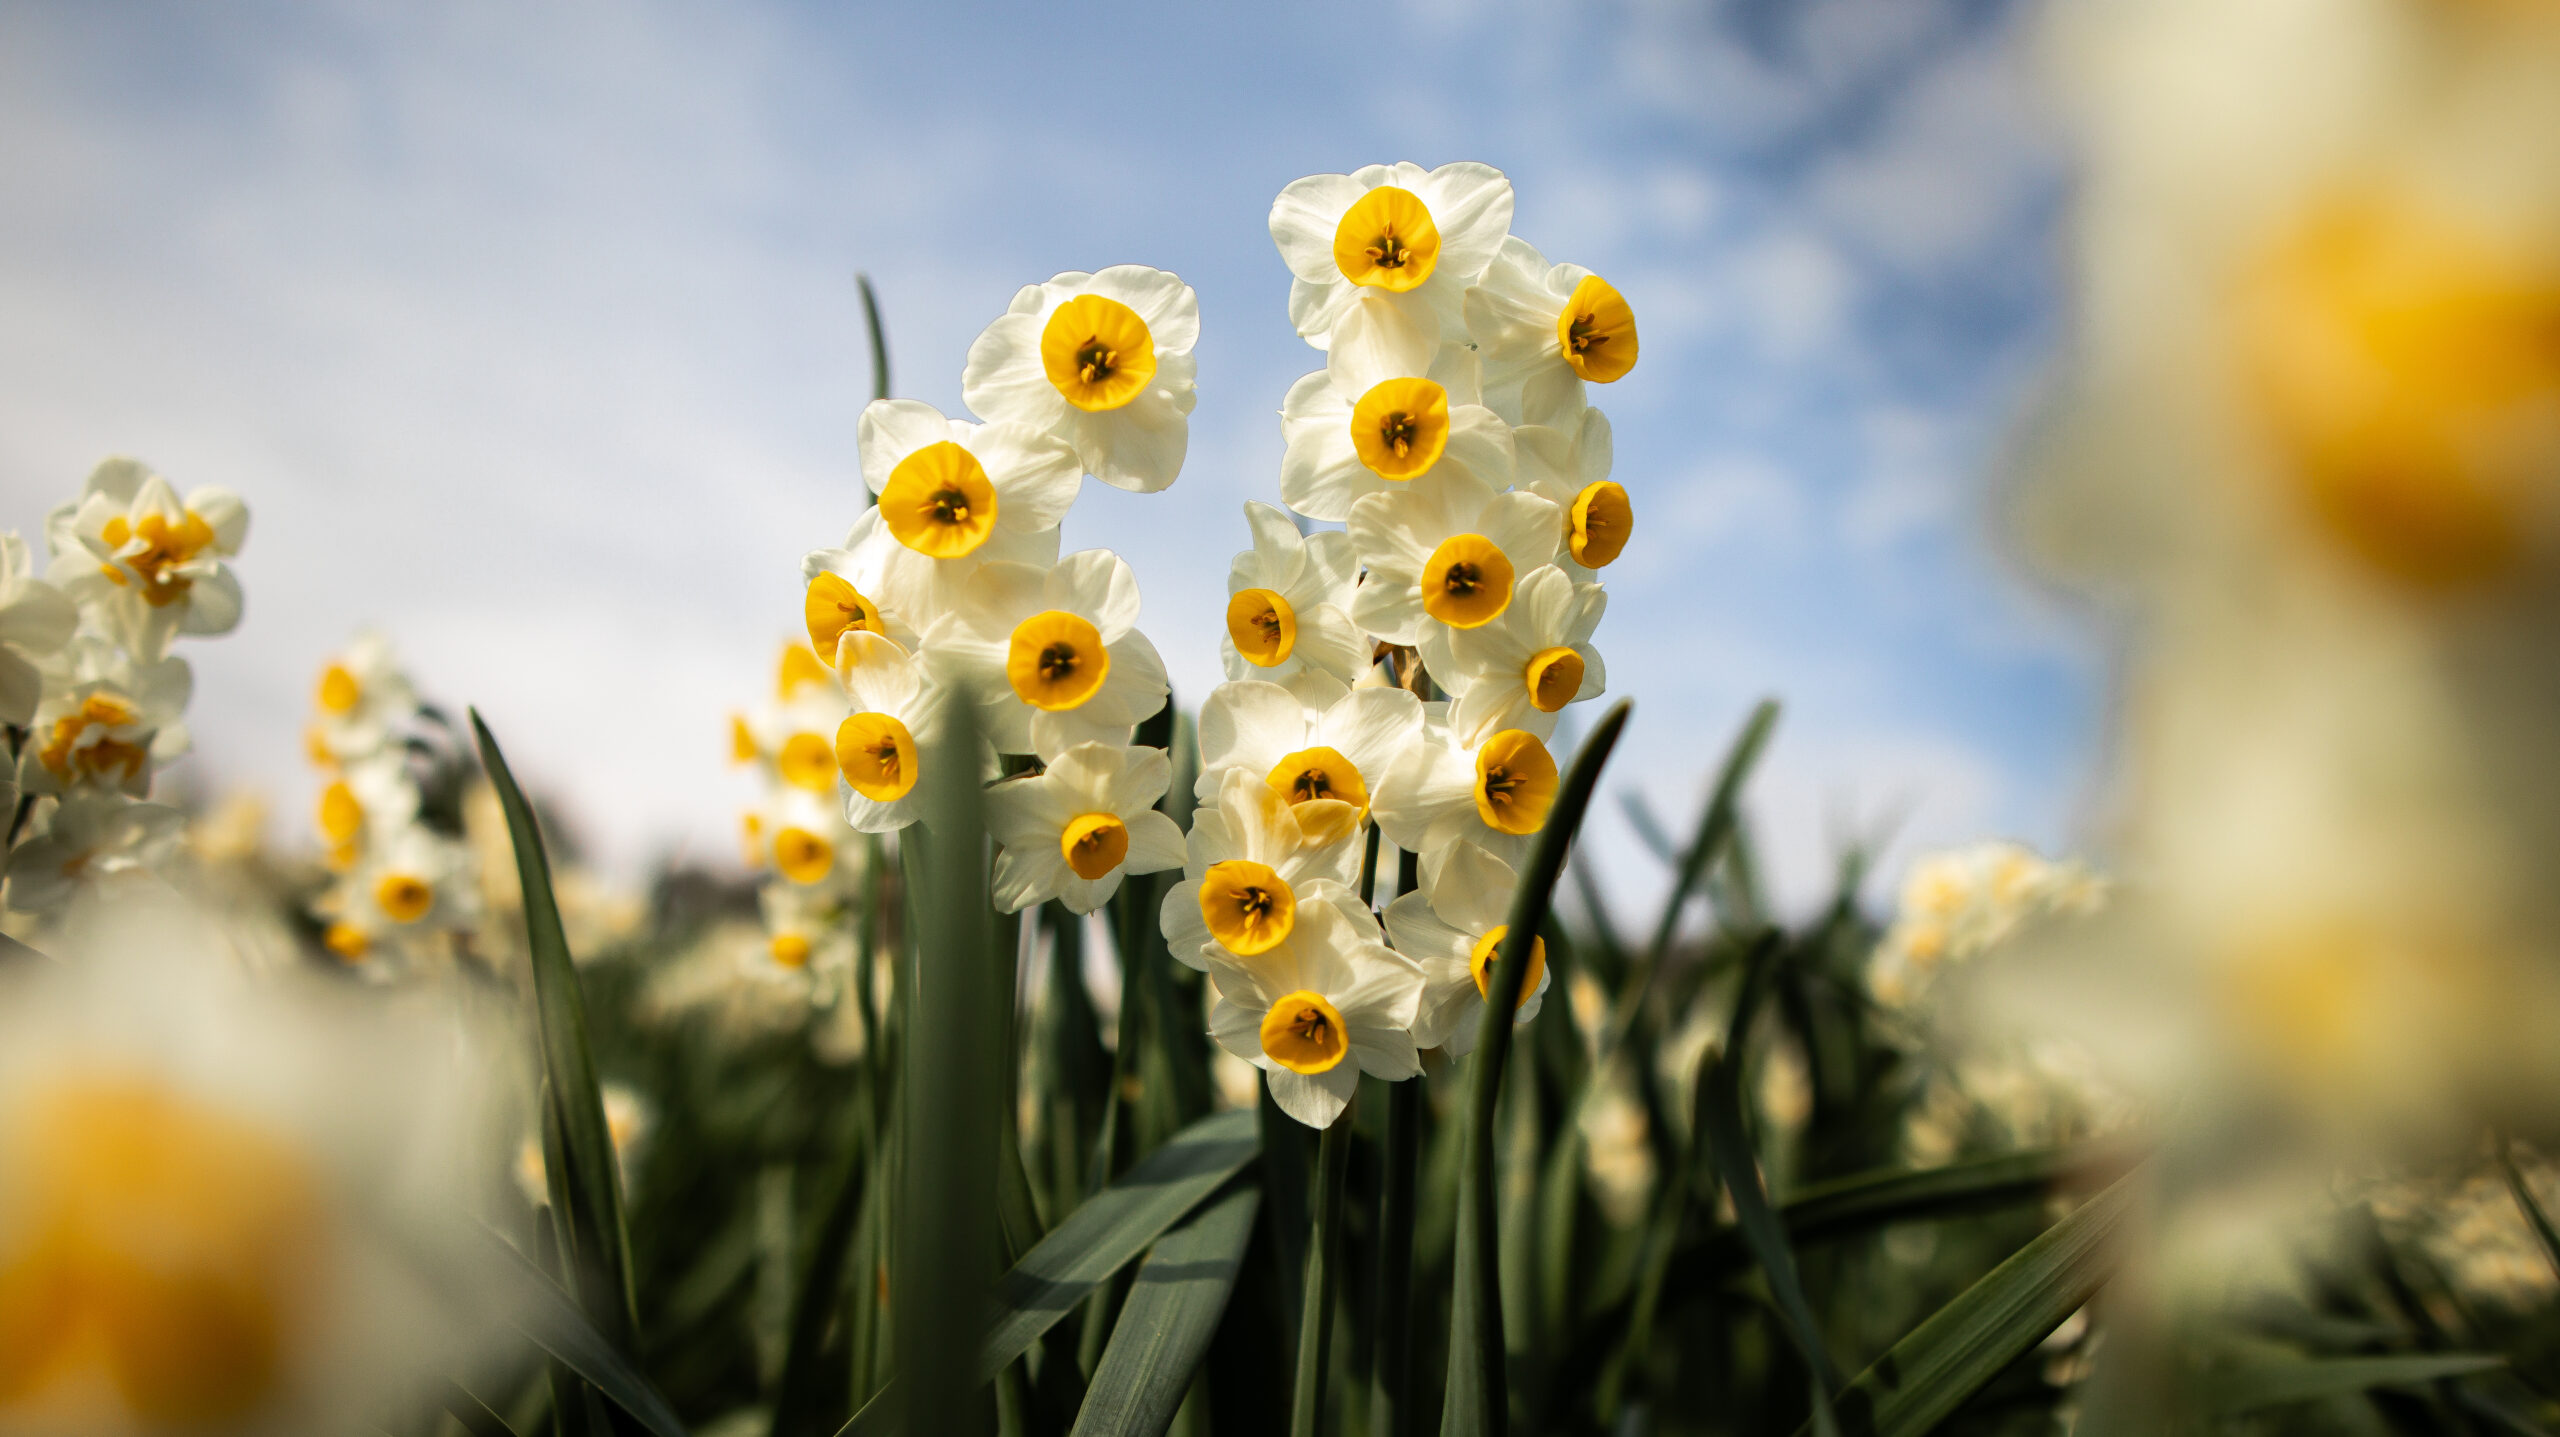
[(1173, 1310)]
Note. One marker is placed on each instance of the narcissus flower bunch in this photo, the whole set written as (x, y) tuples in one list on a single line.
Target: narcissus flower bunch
[(1393, 683), (92, 701)]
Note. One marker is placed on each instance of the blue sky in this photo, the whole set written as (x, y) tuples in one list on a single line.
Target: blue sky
[(530, 334)]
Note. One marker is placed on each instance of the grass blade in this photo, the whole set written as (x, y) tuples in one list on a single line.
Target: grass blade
[(944, 1247), (1391, 1405), (1950, 1355), (1479, 1398), (1173, 1310), (2531, 1205), (2274, 1384), (1108, 1231), (821, 1286), (879, 338), (474, 1415), (545, 1314), (1862, 1201), (1716, 825), (1729, 1144), (598, 1246)]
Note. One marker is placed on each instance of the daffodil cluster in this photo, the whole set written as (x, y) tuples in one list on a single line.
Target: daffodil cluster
[(798, 833), (1399, 679), (401, 889), (92, 699)]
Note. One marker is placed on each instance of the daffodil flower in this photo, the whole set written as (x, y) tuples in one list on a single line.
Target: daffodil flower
[(90, 839), (1446, 550), (414, 886), (1391, 405), (1521, 669), (805, 838), (1325, 763), (794, 737), (1247, 867), (1288, 606), (364, 801), (1397, 229), (1453, 927), (1568, 462), (1054, 656), (1544, 330), (107, 721), (1495, 793), (1075, 830), (879, 747), (1102, 361), (362, 697), (809, 935), (953, 496), (36, 620), (1316, 1010), (148, 562)]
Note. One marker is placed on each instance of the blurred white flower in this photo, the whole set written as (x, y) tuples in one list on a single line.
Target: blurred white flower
[(1392, 404), (1100, 360), (149, 563), (364, 698), (1289, 606), (86, 841), (107, 721), (36, 620), (1326, 1004), (1053, 658), (1446, 549), (1395, 228)]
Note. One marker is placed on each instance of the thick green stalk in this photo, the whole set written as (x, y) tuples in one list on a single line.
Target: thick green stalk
[(1391, 1406), (1324, 1267)]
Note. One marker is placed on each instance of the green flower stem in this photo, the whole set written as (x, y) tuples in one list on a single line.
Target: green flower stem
[(1324, 1264)]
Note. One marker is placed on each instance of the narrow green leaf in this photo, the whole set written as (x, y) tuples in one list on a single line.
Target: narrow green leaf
[(1391, 1405), (815, 1302), (545, 1314), (1716, 824), (1729, 1144), (1862, 1201), (599, 1245), (1479, 1397), (2531, 1205), (1173, 1310), (879, 338), (474, 1415), (944, 1245), (1108, 1230), (2274, 1384), (1950, 1355)]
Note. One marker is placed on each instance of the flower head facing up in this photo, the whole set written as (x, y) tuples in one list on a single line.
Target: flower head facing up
[(1324, 766), (1100, 361), (1446, 551), (1396, 230), (1075, 830), (1320, 1007), (945, 487), (1394, 403)]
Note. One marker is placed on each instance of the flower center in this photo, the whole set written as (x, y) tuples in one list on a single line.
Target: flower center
[(1313, 774), (1489, 947), (403, 897), (1263, 626), (877, 756), (1597, 331), (1249, 907), (1094, 844), (1304, 1034), (808, 762), (1515, 782), (834, 606), (82, 745), (1401, 427), (1056, 660), (939, 502), (341, 815), (1387, 239), (152, 546), (803, 857), (174, 1251), (1097, 352), (1467, 583), (1599, 524), (1553, 677), (339, 690), (2408, 371), (791, 950)]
